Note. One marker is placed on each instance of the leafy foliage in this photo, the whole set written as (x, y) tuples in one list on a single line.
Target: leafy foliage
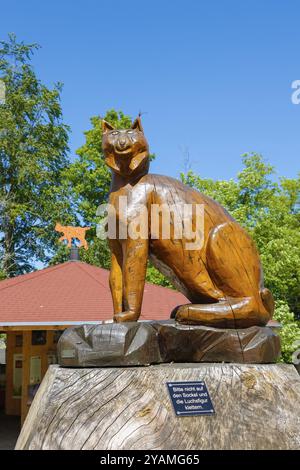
[(155, 277), (290, 331), (97, 254), (90, 179), (33, 155), (269, 211), (88, 175)]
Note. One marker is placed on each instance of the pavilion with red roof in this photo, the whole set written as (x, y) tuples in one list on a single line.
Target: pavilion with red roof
[(36, 307), (72, 293)]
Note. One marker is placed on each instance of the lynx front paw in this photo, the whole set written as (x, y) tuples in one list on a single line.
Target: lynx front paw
[(125, 316), (181, 314)]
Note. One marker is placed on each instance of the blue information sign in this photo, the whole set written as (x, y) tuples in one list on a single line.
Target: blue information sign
[(190, 398)]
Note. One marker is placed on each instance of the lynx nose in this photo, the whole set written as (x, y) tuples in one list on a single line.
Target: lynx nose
[(123, 143)]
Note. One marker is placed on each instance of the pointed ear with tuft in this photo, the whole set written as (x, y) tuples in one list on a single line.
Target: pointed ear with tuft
[(106, 126), (137, 125)]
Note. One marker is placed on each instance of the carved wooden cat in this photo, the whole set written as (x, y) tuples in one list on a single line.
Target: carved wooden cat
[(223, 279)]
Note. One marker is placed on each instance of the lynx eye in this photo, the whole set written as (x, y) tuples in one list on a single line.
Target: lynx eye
[(129, 132), (115, 133)]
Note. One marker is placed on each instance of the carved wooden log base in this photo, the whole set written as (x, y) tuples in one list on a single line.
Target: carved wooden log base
[(257, 406), (144, 343)]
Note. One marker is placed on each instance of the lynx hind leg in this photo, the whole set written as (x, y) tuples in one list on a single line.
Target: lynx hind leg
[(232, 261), (229, 313), (218, 315), (239, 274), (234, 266)]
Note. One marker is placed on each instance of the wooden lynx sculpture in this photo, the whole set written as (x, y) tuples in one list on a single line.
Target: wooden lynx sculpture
[(72, 232), (223, 279)]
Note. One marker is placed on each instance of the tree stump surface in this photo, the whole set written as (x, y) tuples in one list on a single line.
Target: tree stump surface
[(256, 407)]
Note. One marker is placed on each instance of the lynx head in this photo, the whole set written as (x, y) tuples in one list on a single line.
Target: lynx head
[(126, 150)]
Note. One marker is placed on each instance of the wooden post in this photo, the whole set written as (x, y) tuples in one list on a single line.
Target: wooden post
[(26, 373)]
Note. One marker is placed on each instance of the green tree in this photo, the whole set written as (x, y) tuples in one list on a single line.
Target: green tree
[(33, 155), (289, 332), (269, 210), (155, 277), (90, 180), (88, 175), (97, 254)]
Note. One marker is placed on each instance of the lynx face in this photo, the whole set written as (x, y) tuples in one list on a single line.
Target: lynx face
[(126, 150)]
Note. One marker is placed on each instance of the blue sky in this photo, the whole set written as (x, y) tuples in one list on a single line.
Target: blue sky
[(212, 77)]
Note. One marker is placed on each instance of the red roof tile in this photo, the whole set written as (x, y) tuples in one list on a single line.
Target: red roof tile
[(73, 292)]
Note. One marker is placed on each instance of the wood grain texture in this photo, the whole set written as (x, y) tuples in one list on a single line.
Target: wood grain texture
[(144, 343), (257, 407), (217, 267)]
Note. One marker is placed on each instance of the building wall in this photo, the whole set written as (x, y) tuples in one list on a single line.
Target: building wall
[(38, 347)]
